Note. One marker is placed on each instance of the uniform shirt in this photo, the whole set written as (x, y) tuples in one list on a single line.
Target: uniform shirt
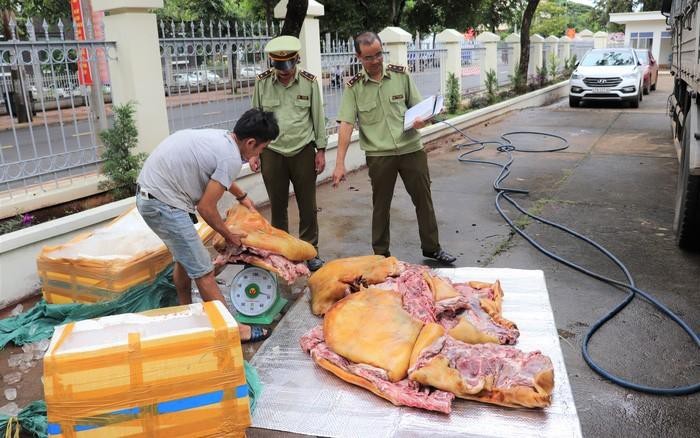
[(297, 107), (179, 169), (379, 106)]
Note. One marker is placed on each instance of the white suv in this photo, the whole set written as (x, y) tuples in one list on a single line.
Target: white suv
[(607, 74)]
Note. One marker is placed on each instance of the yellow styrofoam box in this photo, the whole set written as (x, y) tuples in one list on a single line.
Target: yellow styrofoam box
[(104, 263), (171, 372)]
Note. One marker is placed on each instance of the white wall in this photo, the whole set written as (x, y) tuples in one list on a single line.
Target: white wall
[(647, 26)]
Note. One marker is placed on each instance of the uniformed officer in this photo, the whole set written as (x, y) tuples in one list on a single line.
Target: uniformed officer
[(298, 154), (377, 97)]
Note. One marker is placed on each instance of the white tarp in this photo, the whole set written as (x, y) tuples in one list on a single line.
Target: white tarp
[(301, 397)]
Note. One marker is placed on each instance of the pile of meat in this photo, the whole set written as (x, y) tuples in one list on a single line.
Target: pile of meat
[(263, 246), (418, 340), (276, 263)]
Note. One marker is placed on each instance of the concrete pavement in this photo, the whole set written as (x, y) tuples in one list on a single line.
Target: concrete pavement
[(616, 184)]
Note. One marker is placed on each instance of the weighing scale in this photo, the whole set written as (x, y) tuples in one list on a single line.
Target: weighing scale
[(255, 296)]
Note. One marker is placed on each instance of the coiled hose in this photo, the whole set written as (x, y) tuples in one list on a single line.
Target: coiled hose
[(503, 193)]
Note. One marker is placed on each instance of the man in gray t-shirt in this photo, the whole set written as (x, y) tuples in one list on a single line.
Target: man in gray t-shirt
[(190, 170)]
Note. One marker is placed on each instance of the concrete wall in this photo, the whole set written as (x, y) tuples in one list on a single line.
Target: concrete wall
[(18, 250), (655, 27)]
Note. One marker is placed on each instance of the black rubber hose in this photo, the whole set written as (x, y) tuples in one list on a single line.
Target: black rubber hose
[(507, 146)]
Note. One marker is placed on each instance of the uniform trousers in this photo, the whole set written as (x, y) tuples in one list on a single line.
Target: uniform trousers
[(413, 169), (300, 169)]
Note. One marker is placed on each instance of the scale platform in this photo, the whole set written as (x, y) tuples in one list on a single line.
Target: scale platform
[(255, 297)]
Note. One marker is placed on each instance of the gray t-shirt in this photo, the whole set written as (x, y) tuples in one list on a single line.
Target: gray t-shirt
[(179, 169)]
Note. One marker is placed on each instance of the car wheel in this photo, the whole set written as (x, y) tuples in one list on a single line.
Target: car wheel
[(686, 221), (574, 101), (635, 102)]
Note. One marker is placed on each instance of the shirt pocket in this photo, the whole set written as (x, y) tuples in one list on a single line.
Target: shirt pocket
[(270, 104), (398, 105), (302, 101), (368, 112)]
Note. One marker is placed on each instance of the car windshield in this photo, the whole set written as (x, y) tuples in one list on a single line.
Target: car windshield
[(643, 56), (608, 59)]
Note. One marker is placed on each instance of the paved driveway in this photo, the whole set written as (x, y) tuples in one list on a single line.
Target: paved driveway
[(616, 184)]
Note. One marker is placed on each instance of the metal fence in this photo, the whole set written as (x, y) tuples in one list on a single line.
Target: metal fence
[(50, 116), (472, 57), (580, 48), (209, 70), (338, 65), (506, 61), (427, 67)]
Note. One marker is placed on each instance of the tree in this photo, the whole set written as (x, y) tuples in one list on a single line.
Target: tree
[(603, 9), (294, 18), (493, 13), (435, 15), (528, 14), (550, 19)]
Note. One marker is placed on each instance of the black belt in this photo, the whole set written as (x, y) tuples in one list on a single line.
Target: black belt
[(145, 194)]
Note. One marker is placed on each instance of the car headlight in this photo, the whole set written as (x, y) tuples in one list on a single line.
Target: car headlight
[(575, 75), (629, 76)]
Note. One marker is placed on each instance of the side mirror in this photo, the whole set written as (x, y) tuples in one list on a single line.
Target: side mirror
[(639, 63)]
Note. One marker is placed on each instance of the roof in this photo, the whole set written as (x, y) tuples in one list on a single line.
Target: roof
[(636, 17)]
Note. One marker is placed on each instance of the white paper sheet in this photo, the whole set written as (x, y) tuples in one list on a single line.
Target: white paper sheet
[(425, 109), (301, 397)]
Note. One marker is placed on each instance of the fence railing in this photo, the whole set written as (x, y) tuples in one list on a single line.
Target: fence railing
[(506, 62), (51, 114), (209, 70), (472, 61)]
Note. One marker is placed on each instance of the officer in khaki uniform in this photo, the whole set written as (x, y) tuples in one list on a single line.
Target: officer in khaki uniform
[(298, 154), (377, 98)]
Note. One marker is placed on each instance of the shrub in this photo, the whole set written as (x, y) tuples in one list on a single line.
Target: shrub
[(518, 80), (553, 65), (541, 75), (491, 84), (454, 97), (121, 166), (569, 65)]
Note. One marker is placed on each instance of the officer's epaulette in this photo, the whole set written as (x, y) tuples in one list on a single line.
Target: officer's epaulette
[(353, 80), (396, 68), (266, 74), (307, 75)]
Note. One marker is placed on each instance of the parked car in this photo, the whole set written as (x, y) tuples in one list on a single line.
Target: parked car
[(249, 72), (613, 74), (208, 77), (50, 91), (651, 69), (186, 80)]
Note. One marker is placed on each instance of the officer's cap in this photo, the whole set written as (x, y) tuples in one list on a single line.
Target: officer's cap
[(283, 51)]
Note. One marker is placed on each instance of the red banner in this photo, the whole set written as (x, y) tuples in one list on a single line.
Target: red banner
[(84, 73)]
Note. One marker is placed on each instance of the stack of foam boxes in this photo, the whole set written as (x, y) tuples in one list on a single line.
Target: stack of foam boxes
[(175, 372), (103, 264)]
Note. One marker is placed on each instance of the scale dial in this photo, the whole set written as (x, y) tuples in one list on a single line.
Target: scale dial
[(253, 291)]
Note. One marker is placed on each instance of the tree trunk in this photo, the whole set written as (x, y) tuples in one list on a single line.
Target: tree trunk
[(294, 18), (397, 12), (525, 38), (14, 95)]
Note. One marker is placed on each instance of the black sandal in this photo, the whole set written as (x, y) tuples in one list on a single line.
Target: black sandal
[(441, 256), (257, 334)]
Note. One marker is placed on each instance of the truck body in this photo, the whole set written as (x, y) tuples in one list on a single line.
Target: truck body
[(684, 109)]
